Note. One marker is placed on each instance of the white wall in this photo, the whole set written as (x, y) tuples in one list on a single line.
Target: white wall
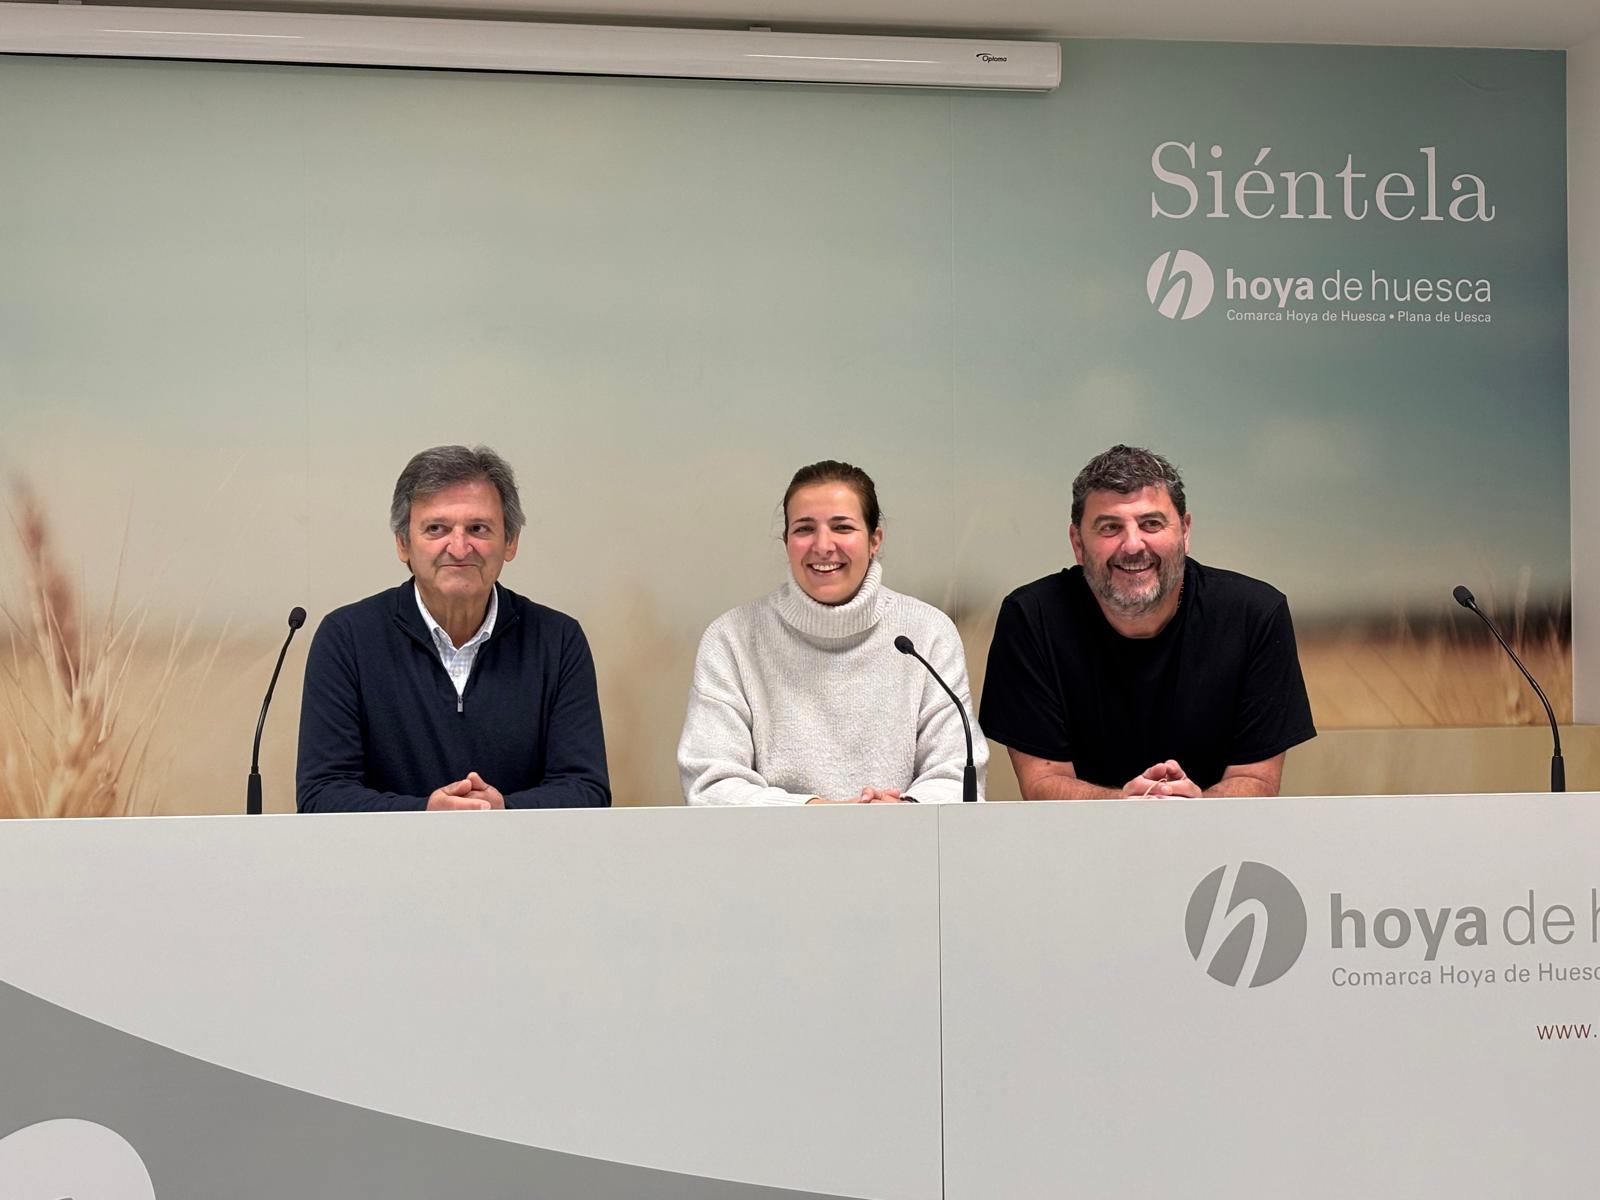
[(1583, 225)]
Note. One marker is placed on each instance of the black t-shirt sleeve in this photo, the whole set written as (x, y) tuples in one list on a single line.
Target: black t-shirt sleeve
[(1273, 711), (1023, 707)]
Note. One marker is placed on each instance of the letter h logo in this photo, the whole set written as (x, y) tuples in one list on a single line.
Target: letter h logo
[(1180, 284), (1246, 924)]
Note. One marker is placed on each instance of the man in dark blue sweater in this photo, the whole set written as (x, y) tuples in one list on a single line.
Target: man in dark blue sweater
[(449, 691)]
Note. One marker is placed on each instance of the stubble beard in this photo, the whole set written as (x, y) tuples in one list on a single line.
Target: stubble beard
[(1169, 577)]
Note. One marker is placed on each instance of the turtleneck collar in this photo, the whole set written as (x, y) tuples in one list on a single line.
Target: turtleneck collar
[(831, 622)]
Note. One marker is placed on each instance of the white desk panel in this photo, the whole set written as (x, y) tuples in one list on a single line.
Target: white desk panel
[(731, 995), (1087, 1052)]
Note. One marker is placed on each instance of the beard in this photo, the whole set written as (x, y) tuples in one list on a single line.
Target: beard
[(1135, 597)]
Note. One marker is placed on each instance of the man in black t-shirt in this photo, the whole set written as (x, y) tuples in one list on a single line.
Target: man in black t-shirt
[(1140, 672)]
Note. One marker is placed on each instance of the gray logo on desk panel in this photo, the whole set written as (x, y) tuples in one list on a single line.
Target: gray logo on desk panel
[(1246, 924), (83, 1104)]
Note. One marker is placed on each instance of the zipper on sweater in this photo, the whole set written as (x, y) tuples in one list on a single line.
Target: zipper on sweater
[(461, 696)]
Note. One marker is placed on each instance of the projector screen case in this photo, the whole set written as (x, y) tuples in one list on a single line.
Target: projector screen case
[(381, 41)]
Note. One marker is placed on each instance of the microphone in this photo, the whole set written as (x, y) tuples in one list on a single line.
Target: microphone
[(252, 789), (969, 773), (1558, 767)]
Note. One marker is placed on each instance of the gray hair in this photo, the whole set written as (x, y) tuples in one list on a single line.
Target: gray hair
[(445, 466), (1126, 470)]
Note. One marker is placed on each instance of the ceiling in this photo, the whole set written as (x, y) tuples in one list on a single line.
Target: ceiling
[(1533, 24)]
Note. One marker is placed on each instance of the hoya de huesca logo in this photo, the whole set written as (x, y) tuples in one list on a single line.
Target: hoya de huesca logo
[(1246, 924), (1180, 284)]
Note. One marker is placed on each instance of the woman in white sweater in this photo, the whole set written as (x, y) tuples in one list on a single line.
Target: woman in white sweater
[(802, 698)]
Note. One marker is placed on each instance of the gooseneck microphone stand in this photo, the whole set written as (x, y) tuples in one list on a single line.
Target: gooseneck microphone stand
[(1558, 768), (252, 789), (969, 773)]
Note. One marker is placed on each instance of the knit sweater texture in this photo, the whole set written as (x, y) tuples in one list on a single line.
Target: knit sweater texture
[(793, 699)]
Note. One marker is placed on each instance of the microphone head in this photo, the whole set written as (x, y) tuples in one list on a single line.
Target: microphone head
[(297, 617), (1464, 597), (903, 644)]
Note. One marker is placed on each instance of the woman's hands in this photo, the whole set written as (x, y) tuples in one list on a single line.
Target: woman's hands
[(869, 795)]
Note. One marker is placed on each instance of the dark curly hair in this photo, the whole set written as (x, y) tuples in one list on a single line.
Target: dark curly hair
[(1126, 470)]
